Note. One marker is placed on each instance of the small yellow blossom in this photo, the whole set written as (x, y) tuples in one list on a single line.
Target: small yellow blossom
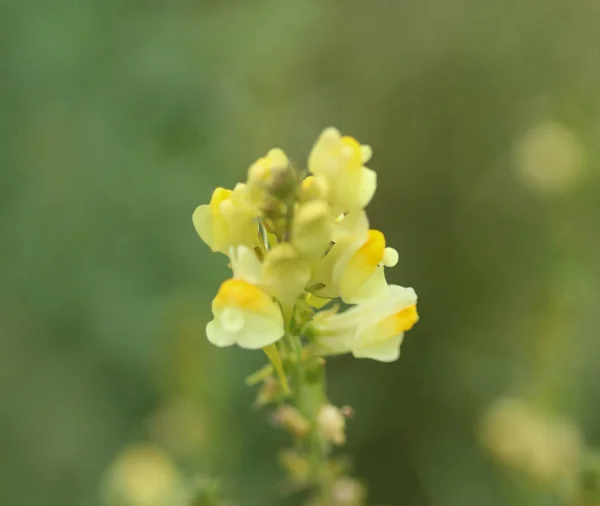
[(340, 162), (270, 178), (353, 269), (244, 314), (373, 329), (229, 220)]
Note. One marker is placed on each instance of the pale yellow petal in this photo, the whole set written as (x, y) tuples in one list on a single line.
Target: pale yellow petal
[(367, 187), (260, 331), (320, 158), (365, 153), (360, 267), (203, 223), (243, 295), (385, 351), (357, 290), (312, 229), (354, 225), (218, 336), (245, 264)]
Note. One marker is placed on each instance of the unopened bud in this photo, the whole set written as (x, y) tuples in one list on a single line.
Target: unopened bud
[(332, 424), (292, 420), (312, 229), (271, 177), (269, 392), (313, 188)]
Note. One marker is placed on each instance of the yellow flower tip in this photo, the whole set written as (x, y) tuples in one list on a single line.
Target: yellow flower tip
[(238, 293), (244, 315), (219, 196), (390, 257), (264, 168), (313, 188), (404, 320), (371, 253), (366, 153), (330, 135), (277, 158), (351, 150), (258, 172)]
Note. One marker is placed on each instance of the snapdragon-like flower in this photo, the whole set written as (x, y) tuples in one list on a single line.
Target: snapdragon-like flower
[(244, 314), (295, 244), (374, 329), (353, 269), (229, 220), (297, 240), (340, 161)]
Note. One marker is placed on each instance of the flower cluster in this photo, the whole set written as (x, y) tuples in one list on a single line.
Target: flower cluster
[(295, 244)]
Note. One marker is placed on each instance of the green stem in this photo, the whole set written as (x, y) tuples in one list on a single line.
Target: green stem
[(308, 385)]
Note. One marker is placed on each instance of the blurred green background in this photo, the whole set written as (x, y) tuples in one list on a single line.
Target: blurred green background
[(119, 117)]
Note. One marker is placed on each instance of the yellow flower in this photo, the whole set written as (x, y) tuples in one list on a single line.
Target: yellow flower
[(374, 329), (353, 268), (271, 179), (229, 220), (244, 314), (340, 161)]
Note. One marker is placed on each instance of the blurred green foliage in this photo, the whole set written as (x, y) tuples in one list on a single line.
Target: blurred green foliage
[(118, 118)]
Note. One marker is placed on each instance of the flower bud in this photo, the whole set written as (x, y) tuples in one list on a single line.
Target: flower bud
[(268, 393), (332, 424), (271, 178), (312, 229), (292, 420), (313, 188)]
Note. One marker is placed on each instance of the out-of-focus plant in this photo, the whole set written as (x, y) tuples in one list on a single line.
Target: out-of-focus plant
[(297, 241), (545, 449)]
